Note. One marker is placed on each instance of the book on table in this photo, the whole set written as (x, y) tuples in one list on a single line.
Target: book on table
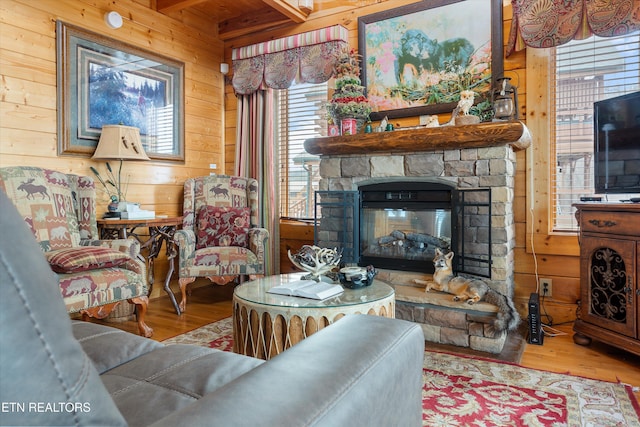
[(307, 289)]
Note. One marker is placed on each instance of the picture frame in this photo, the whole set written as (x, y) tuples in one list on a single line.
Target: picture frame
[(104, 81), (416, 59)]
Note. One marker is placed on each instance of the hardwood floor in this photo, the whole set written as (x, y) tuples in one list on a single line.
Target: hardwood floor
[(558, 354), (598, 360)]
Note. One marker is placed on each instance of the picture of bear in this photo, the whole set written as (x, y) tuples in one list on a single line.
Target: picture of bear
[(419, 53), (421, 56)]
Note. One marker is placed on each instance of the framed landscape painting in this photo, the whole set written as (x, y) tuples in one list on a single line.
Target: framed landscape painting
[(416, 59), (105, 82)]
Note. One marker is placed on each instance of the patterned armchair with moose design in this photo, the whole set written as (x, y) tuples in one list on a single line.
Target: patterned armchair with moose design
[(220, 238), (94, 275)]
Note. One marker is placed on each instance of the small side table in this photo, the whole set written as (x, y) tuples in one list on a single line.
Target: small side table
[(160, 230)]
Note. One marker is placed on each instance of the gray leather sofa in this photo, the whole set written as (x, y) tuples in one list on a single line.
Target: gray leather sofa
[(360, 371)]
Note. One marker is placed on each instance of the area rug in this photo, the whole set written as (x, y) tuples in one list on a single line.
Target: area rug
[(461, 391)]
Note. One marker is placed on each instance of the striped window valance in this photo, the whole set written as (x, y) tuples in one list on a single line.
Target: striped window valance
[(275, 64), (546, 23)]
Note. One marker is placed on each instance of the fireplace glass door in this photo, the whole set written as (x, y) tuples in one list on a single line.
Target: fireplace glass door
[(398, 225), (402, 224), (403, 238)]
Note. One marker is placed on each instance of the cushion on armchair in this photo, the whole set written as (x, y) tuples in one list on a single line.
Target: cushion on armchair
[(222, 226), (73, 260)]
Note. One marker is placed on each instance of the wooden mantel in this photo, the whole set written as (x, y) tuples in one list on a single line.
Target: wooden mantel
[(488, 134)]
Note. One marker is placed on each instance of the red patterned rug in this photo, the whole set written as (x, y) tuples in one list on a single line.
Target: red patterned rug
[(470, 391)]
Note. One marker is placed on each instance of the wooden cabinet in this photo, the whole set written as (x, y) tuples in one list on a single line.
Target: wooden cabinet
[(609, 265)]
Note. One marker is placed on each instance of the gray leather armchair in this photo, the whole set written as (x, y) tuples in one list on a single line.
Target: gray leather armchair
[(360, 371)]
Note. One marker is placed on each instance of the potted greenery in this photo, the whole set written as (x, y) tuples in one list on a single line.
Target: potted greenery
[(112, 184), (348, 101)]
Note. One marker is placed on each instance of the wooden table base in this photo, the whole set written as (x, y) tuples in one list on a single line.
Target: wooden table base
[(266, 331)]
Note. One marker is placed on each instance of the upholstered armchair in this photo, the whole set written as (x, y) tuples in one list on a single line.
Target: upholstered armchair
[(94, 275), (220, 238)]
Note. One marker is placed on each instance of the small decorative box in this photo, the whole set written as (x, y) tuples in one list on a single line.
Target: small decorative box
[(334, 130), (349, 127)]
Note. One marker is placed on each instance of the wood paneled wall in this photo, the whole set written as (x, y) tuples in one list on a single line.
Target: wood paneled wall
[(562, 269), (28, 122), (28, 59)]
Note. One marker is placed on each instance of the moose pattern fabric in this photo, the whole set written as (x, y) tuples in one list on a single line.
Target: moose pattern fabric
[(84, 190), (229, 260), (60, 211), (230, 203), (47, 200), (99, 287), (219, 190)]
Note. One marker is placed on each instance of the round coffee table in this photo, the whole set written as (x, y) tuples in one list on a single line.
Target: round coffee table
[(264, 324)]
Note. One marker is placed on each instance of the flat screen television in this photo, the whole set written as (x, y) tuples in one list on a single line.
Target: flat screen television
[(617, 144)]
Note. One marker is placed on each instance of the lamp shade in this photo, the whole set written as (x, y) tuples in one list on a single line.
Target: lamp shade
[(118, 142)]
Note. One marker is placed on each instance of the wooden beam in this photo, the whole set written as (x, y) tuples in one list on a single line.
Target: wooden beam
[(168, 6), (292, 12), (425, 139), (250, 23)]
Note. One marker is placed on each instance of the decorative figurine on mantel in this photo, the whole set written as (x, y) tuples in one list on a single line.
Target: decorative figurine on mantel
[(464, 105), (432, 122)]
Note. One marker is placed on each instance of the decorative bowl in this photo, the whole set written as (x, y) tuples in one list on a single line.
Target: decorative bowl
[(357, 277)]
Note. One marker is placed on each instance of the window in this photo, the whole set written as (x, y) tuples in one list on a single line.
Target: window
[(585, 71), (302, 116)]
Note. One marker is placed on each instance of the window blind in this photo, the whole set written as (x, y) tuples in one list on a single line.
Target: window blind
[(302, 116), (586, 71)]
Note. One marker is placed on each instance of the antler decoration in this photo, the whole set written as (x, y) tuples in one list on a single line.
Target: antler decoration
[(317, 261)]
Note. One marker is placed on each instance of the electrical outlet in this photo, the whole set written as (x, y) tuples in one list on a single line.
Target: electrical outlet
[(546, 287)]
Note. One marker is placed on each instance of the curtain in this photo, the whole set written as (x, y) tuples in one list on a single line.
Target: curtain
[(258, 71), (256, 157), (549, 23), (309, 57)]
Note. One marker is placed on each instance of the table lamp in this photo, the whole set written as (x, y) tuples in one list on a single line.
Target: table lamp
[(117, 142)]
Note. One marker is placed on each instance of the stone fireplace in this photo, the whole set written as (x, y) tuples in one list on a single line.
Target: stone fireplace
[(490, 168), (486, 239)]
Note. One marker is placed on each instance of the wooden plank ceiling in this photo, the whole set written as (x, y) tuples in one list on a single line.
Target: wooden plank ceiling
[(237, 18)]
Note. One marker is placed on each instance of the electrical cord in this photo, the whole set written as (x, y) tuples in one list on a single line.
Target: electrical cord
[(552, 332), (546, 327), (544, 312)]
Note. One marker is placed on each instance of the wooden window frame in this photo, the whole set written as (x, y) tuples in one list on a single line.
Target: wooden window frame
[(539, 227)]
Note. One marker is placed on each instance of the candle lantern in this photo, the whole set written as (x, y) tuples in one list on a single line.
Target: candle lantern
[(505, 100)]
